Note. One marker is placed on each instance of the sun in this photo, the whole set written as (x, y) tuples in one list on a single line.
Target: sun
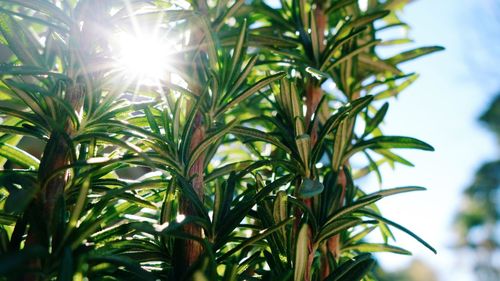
[(144, 58)]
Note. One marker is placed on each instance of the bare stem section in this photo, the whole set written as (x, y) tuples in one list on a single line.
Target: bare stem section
[(190, 250)]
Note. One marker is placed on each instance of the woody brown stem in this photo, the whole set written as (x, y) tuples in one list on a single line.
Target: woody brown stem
[(321, 21), (187, 252), (55, 157), (313, 96)]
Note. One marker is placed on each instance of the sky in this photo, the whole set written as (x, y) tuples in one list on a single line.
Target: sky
[(442, 108)]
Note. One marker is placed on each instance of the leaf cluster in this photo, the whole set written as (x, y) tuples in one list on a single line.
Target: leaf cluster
[(242, 129)]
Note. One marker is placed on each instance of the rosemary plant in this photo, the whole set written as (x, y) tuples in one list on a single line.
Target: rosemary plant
[(233, 164)]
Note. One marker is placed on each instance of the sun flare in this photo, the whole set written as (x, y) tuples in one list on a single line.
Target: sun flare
[(144, 58)]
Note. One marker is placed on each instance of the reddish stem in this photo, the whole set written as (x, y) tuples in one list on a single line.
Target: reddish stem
[(190, 250)]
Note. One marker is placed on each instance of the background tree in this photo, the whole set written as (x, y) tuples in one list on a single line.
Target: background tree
[(478, 220), (417, 270), (243, 150)]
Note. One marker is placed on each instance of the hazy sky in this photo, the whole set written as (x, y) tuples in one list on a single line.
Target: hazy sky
[(442, 108)]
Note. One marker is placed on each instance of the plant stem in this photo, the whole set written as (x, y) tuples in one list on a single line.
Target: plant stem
[(188, 251), (191, 250), (314, 94)]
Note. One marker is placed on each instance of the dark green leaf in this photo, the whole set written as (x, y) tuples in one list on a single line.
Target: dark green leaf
[(376, 120), (389, 222), (352, 270), (413, 54), (387, 142)]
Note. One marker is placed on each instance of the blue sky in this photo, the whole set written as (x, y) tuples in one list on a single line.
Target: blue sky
[(442, 108)]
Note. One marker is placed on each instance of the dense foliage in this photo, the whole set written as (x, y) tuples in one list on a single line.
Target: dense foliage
[(478, 220), (236, 165)]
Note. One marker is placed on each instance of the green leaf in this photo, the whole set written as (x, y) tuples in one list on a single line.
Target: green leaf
[(25, 116), (18, 156), (304, 16), (26, 70), (340, 143), (339, 5), (208, 141), (376, 120), (335, 44), (387, 142), (360, 235), (284, 45), (20, 42), (413, 54), (318, 74), (38, 20), (129, 264), (301, 253), (280, 212), (239, 211), (352, 270), (209, 44), (80, 202), (66, 268), (393, 157), (22, 131), (335, 227), (227, 169), (189, 193), (331, 124), (249, 91), (30, 101), (219, 23), (377, 65), (242, 76), (360, 203), (400, 227), (152, 121), (45, 7), (394, 191), (374, 247), (374, 166), (257, 135), (252, 240), (7, 219), (239, 48), (336, 62), (359, 104), (369, 18), (315, 44), (303, 143), (393, 91)]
